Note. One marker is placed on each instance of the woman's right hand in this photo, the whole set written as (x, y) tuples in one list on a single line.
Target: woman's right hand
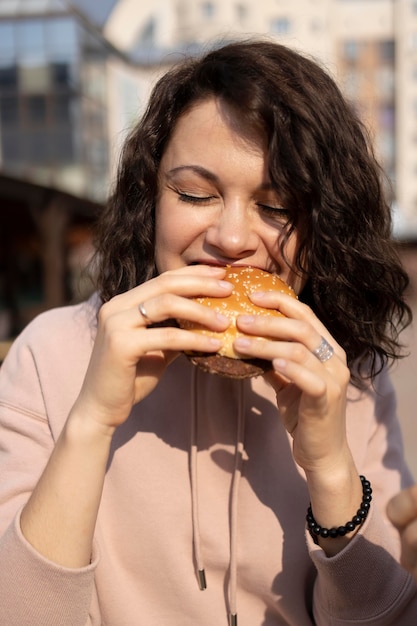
[(127, 361), (129, 356)]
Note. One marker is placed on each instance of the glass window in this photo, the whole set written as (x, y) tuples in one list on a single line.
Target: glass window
[(35, 147), (61, 107), (34, 79), (387, 50), (9, 111), (36, 110), (61, 39), (61, 146), (8, 77), (60, 74), (207, 9), (280, 26), (30, 41), (11, 146), (351, 50), (7, 43)]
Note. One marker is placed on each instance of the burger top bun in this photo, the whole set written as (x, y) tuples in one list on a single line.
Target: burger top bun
[(246, 280)]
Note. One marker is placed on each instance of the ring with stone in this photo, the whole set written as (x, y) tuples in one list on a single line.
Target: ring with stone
[(324, 351)]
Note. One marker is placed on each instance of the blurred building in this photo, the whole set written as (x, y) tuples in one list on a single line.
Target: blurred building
[(369, 46), (54, 152), (53, 97)]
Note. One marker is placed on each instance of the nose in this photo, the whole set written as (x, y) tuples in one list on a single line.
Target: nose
[(232, 234)]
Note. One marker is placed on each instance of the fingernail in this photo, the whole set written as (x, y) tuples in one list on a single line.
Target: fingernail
[(216, 343), (222, 318), (246, 319), (258, 294), (279, 364), (224, 284), (242, 342)]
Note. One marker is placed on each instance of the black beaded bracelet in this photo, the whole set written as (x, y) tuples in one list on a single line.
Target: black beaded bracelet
[(358, 519)]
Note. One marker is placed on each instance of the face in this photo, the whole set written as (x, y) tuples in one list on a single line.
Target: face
[(216, 204)]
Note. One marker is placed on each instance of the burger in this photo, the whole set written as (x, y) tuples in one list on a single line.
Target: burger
[(226, 362)]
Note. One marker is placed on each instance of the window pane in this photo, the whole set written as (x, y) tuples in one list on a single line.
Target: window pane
[(36, 110), (36, 149), (62, 146), (207, 9), (61, 74), (61, 39), (387, 50), (61, 110), (11, 146), (8, 77), (9, 111), (30, 41), (34, 79), (7, 43), (352, 50), (280, 26)]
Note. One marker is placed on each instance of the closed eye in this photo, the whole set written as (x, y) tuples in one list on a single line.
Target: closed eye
[(186, 197), (278, 212)]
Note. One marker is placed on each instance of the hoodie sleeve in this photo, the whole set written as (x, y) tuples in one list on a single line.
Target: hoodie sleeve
[(33, 590), (368, 568)]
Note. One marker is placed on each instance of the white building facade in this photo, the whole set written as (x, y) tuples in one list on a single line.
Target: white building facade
[(369, 46)]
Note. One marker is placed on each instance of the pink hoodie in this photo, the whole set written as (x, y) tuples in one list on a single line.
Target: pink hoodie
[(201, 471)]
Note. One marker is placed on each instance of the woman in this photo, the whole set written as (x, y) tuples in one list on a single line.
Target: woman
[(124, 466)]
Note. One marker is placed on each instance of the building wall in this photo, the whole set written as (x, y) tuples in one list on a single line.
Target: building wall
[(53, 102), (405, 28), (369, 46)]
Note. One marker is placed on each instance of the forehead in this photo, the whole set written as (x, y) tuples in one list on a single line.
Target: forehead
[(210, 126)]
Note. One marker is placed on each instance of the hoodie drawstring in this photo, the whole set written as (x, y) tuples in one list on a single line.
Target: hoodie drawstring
[(234, 496), (237, 472), (201, 574)]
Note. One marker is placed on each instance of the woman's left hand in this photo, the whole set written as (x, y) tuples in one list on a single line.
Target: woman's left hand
[(311, 397), (311, 394)]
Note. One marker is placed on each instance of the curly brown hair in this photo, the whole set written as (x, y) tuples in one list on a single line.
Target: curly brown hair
[(323, 167)]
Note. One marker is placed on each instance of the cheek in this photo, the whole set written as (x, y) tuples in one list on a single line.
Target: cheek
[(174, 232)]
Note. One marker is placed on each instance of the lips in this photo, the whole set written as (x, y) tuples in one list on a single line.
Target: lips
[(216, 263)]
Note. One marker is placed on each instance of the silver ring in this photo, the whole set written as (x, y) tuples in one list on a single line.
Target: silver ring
[(142, 311), (324, 352)]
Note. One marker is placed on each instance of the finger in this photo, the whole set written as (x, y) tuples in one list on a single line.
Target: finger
[(189, 281), (292, 361), (173, 339), (169, 306), (304, 378), (288, 351), (291, 308), (287, 329), (402, 508)]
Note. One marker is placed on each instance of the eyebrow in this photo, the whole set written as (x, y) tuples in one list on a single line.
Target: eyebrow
[(204, 173), (197, 169)]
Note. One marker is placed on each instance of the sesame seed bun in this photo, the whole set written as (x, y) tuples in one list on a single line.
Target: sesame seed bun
[(227, 362)]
